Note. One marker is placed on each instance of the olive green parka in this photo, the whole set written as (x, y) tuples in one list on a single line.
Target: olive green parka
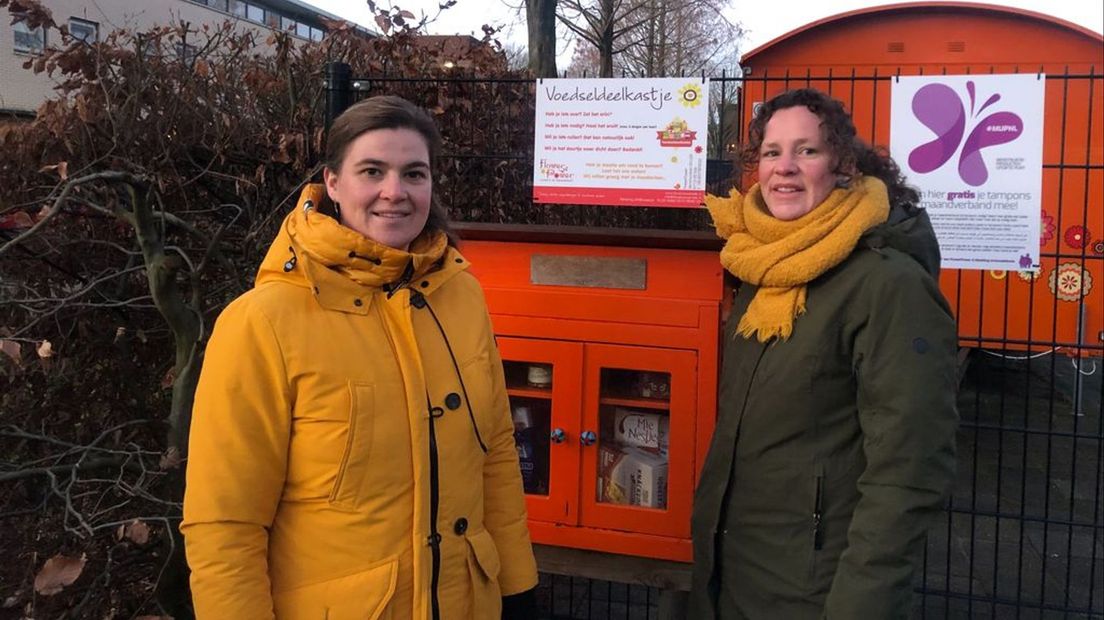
[(352, 452), (834, 449)]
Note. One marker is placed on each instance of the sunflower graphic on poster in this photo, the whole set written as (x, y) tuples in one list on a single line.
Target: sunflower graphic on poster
[(690, 96)]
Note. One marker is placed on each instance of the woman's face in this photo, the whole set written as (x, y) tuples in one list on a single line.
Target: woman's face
[(796, 166), (384, 186)]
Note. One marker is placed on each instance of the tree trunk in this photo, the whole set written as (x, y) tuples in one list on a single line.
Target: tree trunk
[(541, 18), (182, 315), (605, 39)]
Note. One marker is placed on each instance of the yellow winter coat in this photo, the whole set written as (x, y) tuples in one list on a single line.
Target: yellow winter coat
[(351, 451)]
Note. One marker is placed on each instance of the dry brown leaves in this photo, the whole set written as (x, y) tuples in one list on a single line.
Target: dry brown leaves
[(136, 531), (16, 220), (57, 573), (45, 349), (62, 169), (12, 349), (171, 459)]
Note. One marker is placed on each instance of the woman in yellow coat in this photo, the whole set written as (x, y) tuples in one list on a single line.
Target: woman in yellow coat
[(351, 453)]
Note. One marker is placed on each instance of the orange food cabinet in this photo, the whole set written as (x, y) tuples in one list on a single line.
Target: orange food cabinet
[(610, 351)]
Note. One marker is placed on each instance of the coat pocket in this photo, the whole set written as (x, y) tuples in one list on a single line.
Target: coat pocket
[(478, 383), (358, 444), (833, 505), (483, 565), (360, 596)]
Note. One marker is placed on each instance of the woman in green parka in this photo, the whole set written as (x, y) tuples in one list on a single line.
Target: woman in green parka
[(835, 440)]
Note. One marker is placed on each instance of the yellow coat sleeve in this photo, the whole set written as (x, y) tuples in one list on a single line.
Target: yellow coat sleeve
[(236, 466), (504, 497)]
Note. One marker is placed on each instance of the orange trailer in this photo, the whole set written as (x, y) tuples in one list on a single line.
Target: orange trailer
[(854, 56)]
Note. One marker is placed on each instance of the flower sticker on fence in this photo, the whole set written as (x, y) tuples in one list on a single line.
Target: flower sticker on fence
[(1028, 276), (998, 274), (1098, 246), (1070, 282), (1046, 228), (1077, 237)]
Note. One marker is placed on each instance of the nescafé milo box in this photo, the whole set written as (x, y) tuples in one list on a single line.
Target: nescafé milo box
[(641, 429)]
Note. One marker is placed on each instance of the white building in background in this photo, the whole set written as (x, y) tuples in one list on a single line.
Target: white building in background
[(21, 91)]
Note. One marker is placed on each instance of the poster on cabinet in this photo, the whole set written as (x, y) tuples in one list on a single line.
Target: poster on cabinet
[(973, 146), (637, 142)]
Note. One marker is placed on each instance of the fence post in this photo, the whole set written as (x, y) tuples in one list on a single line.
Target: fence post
[(338, 90)]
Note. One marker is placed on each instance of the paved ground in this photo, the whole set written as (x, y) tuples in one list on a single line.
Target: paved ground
[(564, 597), (1023, 537)]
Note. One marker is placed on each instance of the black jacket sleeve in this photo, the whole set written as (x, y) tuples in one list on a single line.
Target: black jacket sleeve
[(520, 606)]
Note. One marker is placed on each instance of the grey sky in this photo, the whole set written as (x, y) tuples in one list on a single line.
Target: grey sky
[(763, 20)]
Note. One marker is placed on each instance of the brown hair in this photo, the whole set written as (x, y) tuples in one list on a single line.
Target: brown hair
[(852, 154), (388, 112)]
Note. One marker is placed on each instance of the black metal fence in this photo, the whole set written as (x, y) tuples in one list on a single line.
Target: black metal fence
[(1023, 534)]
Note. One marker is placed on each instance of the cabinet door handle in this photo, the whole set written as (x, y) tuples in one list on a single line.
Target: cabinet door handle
[(558, 435), (588, 438)]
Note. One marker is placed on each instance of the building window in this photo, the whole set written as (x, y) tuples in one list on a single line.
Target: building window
[(28, 40), (260, 15), (149, 48), (84, 30), (185, 52), (218, 5)]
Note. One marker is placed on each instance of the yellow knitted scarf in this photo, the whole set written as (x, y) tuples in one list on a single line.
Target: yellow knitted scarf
[(782, 257)]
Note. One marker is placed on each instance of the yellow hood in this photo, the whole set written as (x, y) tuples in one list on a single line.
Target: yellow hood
[(314, 250)]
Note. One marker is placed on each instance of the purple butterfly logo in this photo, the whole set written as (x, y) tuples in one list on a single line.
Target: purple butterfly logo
[(941, 110)]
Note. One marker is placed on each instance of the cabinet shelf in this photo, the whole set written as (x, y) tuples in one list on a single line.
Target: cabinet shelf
[(639, 403), (530, 392)]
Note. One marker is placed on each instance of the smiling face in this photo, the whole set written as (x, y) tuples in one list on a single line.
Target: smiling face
[(384, 186), (796, 165)]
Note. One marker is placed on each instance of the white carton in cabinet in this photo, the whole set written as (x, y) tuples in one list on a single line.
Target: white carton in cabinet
[(632, 476)]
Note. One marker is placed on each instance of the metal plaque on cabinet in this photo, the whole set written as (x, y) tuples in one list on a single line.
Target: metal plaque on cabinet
[(589, 271)]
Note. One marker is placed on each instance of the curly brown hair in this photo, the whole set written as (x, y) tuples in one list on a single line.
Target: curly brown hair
[(852, 153)]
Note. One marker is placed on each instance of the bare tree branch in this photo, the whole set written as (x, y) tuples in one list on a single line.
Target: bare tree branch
[(110, 176)]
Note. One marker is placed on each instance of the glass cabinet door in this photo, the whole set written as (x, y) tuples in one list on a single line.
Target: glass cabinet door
[(638, 439), (543, 380)]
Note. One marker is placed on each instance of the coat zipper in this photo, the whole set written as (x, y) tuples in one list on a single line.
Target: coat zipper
[(419, 301), (434, 540), (818, 513), (727, 495), (404, 279)]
